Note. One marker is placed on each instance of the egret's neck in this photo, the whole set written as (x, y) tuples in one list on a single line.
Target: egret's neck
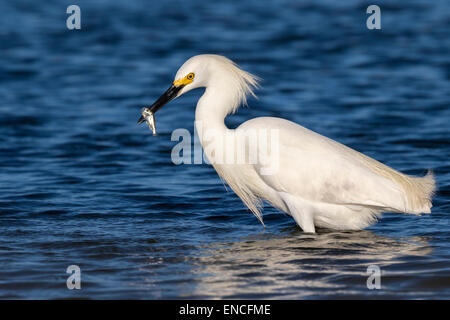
[(212, 108)]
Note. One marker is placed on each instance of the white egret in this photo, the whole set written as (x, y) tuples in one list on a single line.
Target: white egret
[(318, 181)]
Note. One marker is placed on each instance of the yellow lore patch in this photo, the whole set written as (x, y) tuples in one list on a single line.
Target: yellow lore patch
[(184, 81)]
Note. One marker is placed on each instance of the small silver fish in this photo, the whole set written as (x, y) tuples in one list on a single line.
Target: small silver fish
[(148, 117)]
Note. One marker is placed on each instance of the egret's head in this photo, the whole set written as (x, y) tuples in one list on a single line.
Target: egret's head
[(209, 70)]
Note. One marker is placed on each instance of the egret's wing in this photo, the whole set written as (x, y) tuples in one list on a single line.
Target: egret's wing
[(316, 168)]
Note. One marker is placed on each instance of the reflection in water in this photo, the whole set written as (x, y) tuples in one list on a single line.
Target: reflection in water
[(298, 265)]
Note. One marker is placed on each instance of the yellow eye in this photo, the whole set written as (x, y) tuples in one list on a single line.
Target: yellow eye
[(190, 76)]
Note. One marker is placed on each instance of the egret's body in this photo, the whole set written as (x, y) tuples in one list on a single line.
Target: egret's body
[(318, 181)]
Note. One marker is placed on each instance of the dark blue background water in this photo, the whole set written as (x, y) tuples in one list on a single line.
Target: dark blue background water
[(81, 183)]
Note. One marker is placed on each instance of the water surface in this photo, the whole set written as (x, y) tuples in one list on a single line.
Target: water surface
[(81, 183)]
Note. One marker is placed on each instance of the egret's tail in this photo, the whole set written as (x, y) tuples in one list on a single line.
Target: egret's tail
[(419, 192)]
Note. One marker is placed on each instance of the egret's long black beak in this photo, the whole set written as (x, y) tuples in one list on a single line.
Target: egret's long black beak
[(167, 96)]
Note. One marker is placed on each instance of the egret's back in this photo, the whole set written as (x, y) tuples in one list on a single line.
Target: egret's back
[(320, 170)]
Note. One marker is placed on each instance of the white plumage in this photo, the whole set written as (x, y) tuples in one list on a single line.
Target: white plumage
[(318, 181)]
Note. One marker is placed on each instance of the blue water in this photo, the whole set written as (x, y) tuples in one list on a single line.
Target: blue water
[(82, 184)]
